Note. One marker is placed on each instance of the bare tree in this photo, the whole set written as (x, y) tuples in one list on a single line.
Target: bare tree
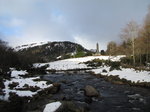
[(146, 34), (129, 33), (111, 48)]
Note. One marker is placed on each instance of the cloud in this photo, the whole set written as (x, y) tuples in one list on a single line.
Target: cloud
[(88, 42), (84, 41), (16, 22), (81, 21)]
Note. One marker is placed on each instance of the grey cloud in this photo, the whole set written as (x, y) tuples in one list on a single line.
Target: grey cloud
[(83, 21)]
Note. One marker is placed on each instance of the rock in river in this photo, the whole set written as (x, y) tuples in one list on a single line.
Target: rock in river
[(91, 91), (56, 88)]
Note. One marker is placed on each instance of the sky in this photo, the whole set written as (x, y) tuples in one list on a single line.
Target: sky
[(82, 21)]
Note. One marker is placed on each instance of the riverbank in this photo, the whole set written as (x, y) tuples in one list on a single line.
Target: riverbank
[(65, 81), (99, 67)]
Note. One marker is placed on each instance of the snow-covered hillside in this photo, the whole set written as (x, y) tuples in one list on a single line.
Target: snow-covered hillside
[(51, 51), (29, 46)]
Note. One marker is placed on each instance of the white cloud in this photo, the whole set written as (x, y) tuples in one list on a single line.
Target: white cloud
[(16, 22), (84, 42), (88, 43)]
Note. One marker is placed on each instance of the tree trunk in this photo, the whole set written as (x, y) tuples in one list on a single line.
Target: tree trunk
[(140, 59), (133, 50)]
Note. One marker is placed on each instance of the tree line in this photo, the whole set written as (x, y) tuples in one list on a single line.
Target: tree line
[(135, 43), (12, 59)]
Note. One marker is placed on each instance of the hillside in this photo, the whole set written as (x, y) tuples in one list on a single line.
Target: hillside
[(50, 51)]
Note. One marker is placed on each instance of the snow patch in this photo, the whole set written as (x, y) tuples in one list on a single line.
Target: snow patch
[(52, 107), (29, 46), (75, 63), (126, 73), (15, 73), (22, 83), (59, 57)]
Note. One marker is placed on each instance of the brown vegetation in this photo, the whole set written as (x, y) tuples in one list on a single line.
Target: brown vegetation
[(135, 43)]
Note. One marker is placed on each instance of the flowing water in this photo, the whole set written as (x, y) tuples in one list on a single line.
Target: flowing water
[(113, 97)]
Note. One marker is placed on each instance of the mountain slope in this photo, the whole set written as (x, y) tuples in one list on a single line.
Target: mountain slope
[(51, 51)]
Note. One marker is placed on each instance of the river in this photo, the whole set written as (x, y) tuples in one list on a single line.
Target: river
[(113, 97)]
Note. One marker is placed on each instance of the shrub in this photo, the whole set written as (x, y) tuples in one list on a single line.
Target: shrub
[(39, 70), (115, 65), (107, 62), (94, 63), (66, 56), (80, 54)]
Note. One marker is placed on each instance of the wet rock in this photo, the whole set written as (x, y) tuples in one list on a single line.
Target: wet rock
[(91, 91), (69, 106), (55, 88), (51, 90)]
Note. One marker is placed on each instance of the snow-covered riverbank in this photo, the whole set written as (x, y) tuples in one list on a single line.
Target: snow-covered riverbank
[(22, 86), (129, 74), (78, 63)]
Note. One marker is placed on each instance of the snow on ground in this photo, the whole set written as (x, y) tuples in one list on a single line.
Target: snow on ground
[(59, 57), (89, 58), (66, 65), (52, 107), (126, 73), (15, 73), (29, 46), (75, 63), (22, 83)]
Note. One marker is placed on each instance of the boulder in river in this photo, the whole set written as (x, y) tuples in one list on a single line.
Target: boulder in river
[(91, 91), (56, 88), (51, 90)]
